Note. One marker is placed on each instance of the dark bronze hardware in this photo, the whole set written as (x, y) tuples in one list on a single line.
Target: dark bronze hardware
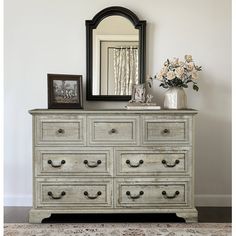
[(59, 197), (94, 164), (164, 162), (173, 196), (92, 197), (113, 131), (166, 131), (56, 166), (134, 165), (61, 131), (134, 196)]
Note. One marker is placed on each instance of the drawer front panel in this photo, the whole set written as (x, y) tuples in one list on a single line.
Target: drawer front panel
[(158, 130), (175, 161), (113, 130), (80, 193), (80, 162), (150, 194), (65, 130)]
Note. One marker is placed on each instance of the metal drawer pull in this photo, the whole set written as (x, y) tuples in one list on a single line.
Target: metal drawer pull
[(94, 164), (173, 196), (56, 166), (166, 131), (134, 165), (59, 197), (92, 197), (134, 196), (164, 162), (113, 131), (61, 131)]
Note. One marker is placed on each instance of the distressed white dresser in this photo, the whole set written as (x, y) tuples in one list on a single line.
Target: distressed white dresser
[(113, 161)]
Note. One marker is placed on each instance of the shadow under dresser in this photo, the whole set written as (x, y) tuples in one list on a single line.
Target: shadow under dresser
[(113, 161)]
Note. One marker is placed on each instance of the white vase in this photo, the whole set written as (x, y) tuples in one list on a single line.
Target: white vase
[(175, 98)]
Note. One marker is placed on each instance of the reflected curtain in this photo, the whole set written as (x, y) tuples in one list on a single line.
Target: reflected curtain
[(125, 69)]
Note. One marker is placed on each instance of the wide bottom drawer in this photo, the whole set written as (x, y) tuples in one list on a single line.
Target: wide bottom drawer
[(140, 193), (80, 193)]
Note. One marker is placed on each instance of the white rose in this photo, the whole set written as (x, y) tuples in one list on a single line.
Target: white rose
[(194, 75), (179, 71), (159, 76), (162, 73), (175, 62), (190, 66), (181, 63), (170, 75), (188, 58)]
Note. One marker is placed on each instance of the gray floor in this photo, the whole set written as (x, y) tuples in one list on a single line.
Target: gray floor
[(206, 214)]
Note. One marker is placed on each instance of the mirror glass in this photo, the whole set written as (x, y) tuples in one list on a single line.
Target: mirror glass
[(115, 56)]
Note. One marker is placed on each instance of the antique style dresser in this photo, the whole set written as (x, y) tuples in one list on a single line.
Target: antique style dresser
[(113, 161)]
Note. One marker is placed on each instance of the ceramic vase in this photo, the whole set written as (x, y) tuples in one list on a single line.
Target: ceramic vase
[(175, 98)]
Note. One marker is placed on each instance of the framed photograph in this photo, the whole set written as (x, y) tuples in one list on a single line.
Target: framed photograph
[(65, 91), (138, 93)]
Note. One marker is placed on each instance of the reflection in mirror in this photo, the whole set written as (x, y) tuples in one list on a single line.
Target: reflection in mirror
[(115, 56)]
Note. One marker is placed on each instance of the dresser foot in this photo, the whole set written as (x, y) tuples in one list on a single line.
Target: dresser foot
[(189, 217), (36, 216)]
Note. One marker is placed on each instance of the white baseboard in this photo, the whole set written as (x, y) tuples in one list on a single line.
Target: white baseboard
[(222, 200), (18, 200), (217, 200)]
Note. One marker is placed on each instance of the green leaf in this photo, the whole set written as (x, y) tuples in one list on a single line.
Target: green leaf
[(195, 87)]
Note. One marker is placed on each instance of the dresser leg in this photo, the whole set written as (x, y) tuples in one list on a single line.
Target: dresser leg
[(36, 216), (189, 217)]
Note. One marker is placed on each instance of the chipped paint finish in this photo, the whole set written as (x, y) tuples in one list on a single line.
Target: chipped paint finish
[(113, 161)]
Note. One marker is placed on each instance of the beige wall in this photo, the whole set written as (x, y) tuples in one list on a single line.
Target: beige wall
[(44, 36)]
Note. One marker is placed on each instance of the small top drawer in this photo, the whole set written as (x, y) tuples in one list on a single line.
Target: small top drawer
[(171, 129), (113, 130), (59, 130)]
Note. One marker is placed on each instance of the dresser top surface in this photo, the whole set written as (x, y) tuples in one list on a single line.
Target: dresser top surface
[(111, 111)]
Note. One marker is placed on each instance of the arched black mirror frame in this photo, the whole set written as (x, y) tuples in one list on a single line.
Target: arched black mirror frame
[(92, 24)]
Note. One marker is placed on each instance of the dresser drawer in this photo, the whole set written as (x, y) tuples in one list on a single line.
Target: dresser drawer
[(150, 162), (149, 194), (169, 129), (113, 130), (83, 162), (81, 193), (60, 130)]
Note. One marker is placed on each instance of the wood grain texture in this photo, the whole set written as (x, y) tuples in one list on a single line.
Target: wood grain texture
[(84, 169)]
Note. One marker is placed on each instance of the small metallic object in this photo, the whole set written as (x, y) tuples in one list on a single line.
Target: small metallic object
[(92, 197), (113, 131), (134, 165), (173, 196), (61, 131), (56, 166), (134, 196), (166, 131), (164, 162), (93, 164), (59, 197)]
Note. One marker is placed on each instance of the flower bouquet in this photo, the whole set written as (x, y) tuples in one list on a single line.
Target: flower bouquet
[(176, 73)]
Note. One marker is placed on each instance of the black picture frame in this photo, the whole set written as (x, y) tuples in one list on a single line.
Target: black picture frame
[(92, 24), (70, 98)]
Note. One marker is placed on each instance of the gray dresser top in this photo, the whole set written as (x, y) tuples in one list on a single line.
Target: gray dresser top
[(110, 111)]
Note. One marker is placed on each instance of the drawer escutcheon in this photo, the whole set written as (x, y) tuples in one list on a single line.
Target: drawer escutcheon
[(92, 197), (164, 193), (134, 196), (56, 166), (63, 193)]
